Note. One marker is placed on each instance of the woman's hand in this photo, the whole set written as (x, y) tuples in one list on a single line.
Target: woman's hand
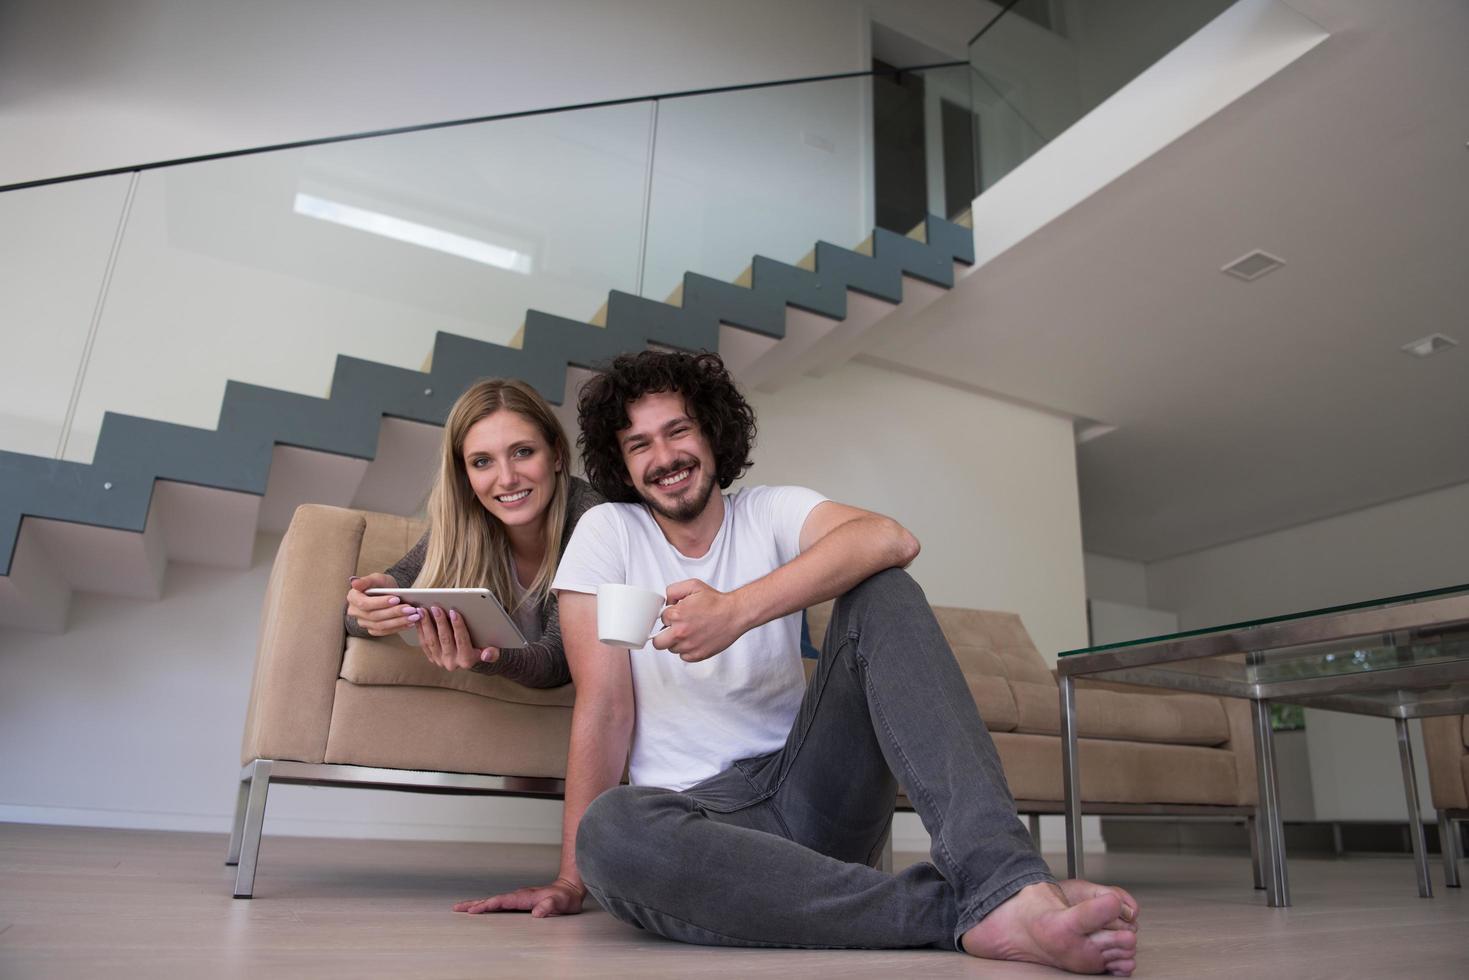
[(380, 615), (444, 640), (560, 897)]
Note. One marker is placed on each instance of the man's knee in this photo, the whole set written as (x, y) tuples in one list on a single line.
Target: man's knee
[(889, 587), (610, 831)]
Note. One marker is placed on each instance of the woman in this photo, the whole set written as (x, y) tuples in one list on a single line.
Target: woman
[(502, 508)]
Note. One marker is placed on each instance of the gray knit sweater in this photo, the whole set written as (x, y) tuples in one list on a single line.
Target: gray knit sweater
[(543, 663)]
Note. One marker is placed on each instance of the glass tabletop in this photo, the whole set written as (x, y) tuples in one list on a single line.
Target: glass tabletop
[(1399, 656)]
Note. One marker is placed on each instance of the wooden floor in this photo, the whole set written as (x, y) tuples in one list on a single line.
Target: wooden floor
[(80, 903)]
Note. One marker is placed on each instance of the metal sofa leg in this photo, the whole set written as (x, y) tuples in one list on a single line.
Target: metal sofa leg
[(885, 862), (1253, 826), (1033, 820), (237, 831), (1448, 842), (254, 823)]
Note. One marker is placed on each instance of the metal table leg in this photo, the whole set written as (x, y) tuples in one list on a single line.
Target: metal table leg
[(1415, 822), (1448, 842), (1071, 779), (1272, 836), (1252, 824)]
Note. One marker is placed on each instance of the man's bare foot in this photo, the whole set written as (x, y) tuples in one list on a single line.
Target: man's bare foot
[(1078, 890), (1038, 925)]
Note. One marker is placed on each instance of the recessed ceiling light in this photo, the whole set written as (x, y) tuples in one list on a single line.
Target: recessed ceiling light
[(1253, 266), (1430, 345)]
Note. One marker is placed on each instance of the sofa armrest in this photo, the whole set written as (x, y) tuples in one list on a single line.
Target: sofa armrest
[(302, 636), (1443, 744)]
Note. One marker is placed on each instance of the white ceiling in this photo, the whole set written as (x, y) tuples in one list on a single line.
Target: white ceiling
[(1243, 408)]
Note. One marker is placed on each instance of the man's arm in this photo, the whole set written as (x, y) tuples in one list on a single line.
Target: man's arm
[(601, 734), (840, 546)]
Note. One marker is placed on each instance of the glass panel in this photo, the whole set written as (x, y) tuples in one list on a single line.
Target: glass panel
[(769, 171), (53, 258), (1358, 657), (1383, 602), (264, 268), (1046, 63), (952, 146)]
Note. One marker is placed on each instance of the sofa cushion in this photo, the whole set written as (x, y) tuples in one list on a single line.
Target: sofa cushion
[(993, 643), (445, 731), (983, 666), (1122, 772), (389, 661), (1180, 719)]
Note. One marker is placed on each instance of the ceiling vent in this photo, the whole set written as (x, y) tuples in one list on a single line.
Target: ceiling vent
[(1253, 266), (1430, 345)]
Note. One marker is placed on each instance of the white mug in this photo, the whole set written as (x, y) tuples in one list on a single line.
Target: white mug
[(626, 614)]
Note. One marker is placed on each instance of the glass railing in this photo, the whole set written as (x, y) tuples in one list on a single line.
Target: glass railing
[(143, 293), (1046, 63)]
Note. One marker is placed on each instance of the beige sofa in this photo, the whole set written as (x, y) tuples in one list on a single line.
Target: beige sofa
[(1446, 745), (327, 709)]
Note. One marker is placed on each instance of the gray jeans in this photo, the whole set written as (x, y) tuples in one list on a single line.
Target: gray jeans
[(778, 849)]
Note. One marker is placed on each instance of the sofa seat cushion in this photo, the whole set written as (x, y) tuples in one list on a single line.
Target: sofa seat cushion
[(1121, 772), (390, 662), (1178, 719)]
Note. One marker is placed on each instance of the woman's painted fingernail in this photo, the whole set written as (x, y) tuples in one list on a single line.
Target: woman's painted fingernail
[(454, 615), (393, 600)]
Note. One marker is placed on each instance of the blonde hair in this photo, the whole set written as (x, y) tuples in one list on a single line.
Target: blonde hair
[(467, 546)]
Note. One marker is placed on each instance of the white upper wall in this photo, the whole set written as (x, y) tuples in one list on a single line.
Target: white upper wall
[(1409, 545), (989, 488), (1116, 580), (100, 85)]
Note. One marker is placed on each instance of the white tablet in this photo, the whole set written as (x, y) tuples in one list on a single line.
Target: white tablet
[(488, 623)]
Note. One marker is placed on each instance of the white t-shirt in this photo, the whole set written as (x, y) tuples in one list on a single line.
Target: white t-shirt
[(694, 720)]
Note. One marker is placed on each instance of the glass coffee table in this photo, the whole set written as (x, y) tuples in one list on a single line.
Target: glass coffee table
[(1400, 657)]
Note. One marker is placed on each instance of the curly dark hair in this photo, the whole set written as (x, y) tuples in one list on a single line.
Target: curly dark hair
[(722, 413)]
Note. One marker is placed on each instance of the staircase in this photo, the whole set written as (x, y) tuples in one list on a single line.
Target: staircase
[(158, 491)]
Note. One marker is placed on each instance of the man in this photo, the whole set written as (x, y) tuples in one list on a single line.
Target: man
[(757, 801)]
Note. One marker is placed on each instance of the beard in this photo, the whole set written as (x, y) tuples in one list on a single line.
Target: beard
[(691, 503)]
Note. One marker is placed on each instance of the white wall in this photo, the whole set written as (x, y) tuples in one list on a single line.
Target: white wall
[(1406, 546), (133, 716), (1409, 545), (1116, 579), (988, 487)]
